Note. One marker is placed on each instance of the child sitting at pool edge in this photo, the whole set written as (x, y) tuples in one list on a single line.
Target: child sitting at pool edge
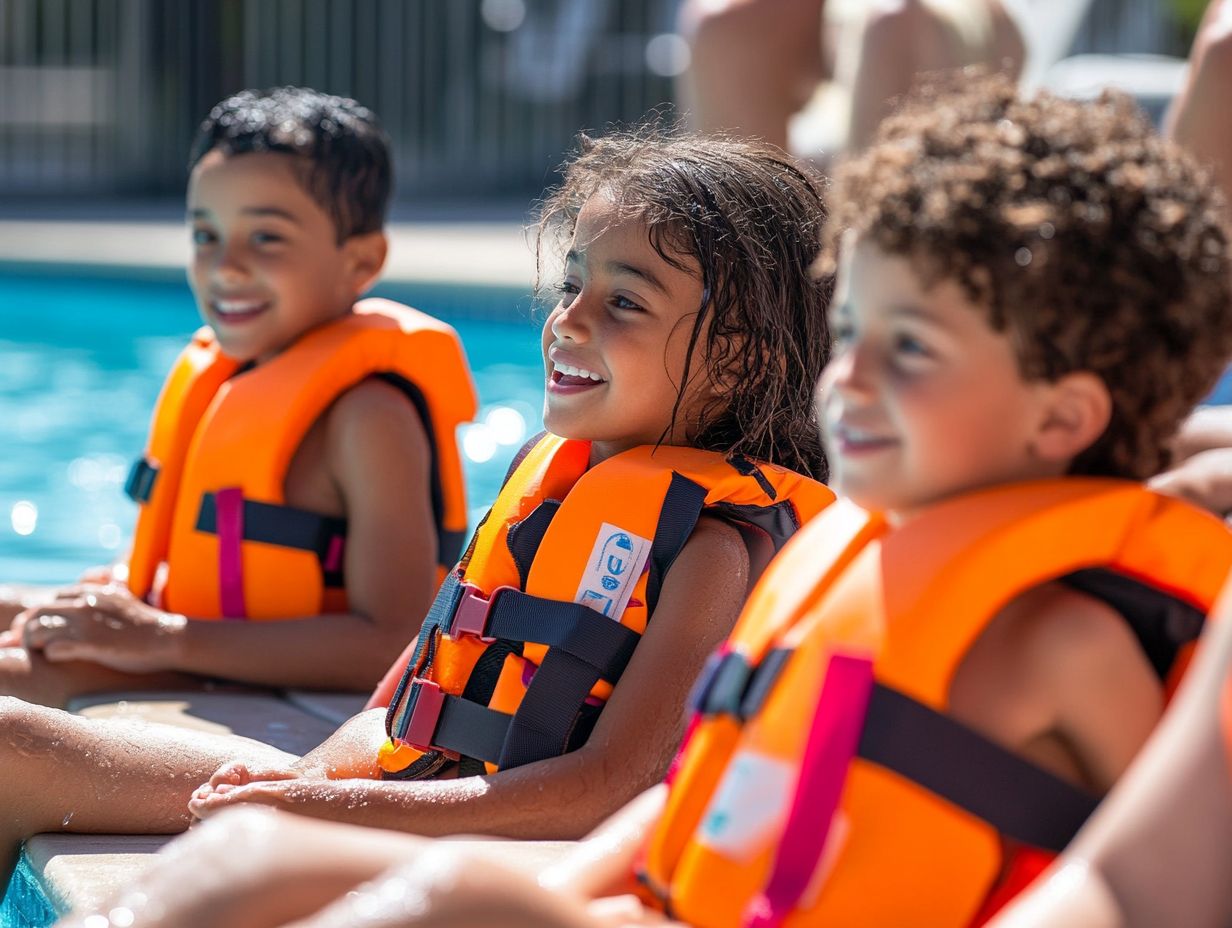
[(1031, 293), (683, 279), (301, 463)]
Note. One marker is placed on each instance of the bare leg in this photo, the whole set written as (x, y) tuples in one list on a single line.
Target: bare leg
[(59, 772), (257, 868), (30, 677), (754, 63)]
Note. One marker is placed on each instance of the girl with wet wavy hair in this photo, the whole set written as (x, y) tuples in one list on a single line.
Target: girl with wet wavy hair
[(748, 219)]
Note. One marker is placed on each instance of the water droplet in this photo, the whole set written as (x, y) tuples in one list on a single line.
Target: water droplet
[(1022, 257)]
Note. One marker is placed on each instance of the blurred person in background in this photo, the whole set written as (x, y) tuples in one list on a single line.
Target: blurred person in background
[(758, 65)]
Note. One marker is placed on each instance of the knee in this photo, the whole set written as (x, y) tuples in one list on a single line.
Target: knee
[(27, 727)]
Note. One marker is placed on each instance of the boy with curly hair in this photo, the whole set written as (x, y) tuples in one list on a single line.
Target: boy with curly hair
[(1031, 295)]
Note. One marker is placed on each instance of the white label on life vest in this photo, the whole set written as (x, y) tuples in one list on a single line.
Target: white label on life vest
[(616, 561), (750, 806)]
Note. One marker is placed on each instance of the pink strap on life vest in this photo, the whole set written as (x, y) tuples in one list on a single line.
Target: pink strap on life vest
[(832, 743), (229, 523)]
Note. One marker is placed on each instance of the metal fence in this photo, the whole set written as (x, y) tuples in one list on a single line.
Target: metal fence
[(102, 96), (481, 97)]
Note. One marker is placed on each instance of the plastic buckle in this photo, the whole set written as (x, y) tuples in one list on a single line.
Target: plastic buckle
[(470, 617), (421, 726)]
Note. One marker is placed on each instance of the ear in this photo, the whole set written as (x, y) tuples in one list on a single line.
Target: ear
[(365, 254), (1077, 410)]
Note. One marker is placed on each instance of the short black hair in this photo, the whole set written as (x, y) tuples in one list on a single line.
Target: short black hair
[(343, 151)]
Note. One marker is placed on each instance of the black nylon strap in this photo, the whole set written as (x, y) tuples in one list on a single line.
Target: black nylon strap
[(470, 729), (284, 526), (954, 762), (762, 681), (524, 538), (594, 639), (677, 518), (140, 483), (438, 617), (549, 709), (722, 686)]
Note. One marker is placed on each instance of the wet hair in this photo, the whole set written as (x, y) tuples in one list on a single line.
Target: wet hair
[(751, 219), (1098, 245), (340, 148)]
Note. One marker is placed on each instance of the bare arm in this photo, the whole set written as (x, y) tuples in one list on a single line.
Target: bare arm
[(376, 452), (563, 797), (1198, 117), (1156, 852)]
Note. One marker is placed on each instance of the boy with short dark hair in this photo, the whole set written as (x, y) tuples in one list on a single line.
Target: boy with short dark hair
[(301, 462)]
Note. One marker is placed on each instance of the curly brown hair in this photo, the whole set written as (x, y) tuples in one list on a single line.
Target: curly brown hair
[(752, 219), (1100, 246)]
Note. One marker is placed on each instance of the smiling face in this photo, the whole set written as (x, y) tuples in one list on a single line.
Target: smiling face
[(266, 264), (922, 399), (614, 347)]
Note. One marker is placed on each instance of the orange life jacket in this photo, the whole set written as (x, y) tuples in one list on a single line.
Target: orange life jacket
[(825, 784), (210, 484), (530, 633)]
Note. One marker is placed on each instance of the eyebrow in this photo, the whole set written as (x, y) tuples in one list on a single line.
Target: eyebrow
[(623, 267), (274, 211), (916, 312)]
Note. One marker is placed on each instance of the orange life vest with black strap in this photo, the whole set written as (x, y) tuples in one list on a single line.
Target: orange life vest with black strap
[(528, 636), (824, 783), (210, 485)]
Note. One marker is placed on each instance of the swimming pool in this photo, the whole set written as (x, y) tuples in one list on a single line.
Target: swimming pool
[(82, 358)]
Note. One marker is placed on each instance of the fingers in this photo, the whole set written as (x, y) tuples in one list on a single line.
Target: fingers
[(223, 784), (237, 774), (57, 622), (204, 804)]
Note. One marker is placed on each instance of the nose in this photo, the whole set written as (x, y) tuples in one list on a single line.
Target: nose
[(850, 371), (572, 322), (229, 266)]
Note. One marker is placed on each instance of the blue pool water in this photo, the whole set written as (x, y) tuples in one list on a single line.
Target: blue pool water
[(81, 362)]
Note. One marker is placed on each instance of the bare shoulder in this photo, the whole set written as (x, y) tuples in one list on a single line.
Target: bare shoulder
[(373, 404), (1061, 629), (1059, 676), (374, 418), (716, 544)]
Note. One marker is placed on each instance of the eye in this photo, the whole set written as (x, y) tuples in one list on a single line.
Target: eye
[(841, 331), (623, 302), (202, 237), (568, 291), (910, 346), (266, 238)]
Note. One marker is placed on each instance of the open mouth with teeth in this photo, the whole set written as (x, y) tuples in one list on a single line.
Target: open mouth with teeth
[(568, 377), (238, 310), (855, 441)]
